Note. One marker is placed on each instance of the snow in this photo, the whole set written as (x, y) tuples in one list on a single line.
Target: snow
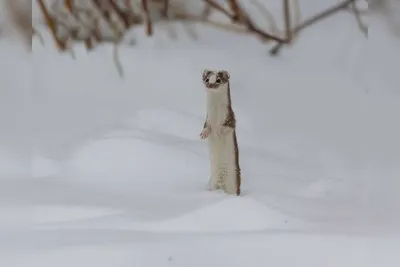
[(98, 170)]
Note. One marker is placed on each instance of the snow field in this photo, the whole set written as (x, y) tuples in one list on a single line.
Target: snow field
[(118, 174)]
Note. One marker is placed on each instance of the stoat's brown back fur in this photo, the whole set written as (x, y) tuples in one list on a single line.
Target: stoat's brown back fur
[(231, 122)]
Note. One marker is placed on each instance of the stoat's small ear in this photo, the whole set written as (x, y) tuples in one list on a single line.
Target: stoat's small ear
[(225, 74), (205, 73)]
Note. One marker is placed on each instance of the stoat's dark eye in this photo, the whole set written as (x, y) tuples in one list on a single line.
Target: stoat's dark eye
[(218, 80), (207, 80)]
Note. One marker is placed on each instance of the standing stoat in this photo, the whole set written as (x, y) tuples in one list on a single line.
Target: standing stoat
[(220, 129)]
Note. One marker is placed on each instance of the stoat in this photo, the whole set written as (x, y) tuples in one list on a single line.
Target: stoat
[(220, 130)]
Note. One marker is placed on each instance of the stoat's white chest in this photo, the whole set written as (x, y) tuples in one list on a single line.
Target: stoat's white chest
[(217, 108)]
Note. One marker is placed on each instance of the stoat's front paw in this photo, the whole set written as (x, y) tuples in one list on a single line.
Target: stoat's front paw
[(205, 133)]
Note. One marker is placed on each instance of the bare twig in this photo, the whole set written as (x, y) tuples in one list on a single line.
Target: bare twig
[(235, 10), (79, 23), (70, 36), (149, 27), (117, 62), (69, 5), (71, 51), (51, 25), (218, 7), (297, 17), (124, 17), (360, 23), (288, 24), (106, 16), (20, 14), (89, 43), (96, 30), (165, 9)]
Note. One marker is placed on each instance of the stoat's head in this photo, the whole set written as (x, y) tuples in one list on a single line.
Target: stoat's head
[(216, 80)]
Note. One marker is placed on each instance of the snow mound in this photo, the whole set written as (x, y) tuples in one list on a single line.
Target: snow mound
[(234, 214), (137, 157)]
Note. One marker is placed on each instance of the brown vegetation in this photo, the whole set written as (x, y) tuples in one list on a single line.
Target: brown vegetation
[(97, 21)]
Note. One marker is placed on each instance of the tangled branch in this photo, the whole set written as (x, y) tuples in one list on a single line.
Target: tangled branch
[(323, 15), (100, 21)]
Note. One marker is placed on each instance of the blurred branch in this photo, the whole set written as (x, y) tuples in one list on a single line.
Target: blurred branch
[(360, 23), (165, 9), (20, 16), (288, 25), (149, 26), (50, 21), (123, 17), (235, 10), (117, 61)]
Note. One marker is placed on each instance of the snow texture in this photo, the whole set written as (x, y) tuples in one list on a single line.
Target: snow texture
[(101, 171)]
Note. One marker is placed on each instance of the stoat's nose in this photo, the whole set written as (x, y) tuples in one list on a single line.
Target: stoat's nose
[(211, 79)]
